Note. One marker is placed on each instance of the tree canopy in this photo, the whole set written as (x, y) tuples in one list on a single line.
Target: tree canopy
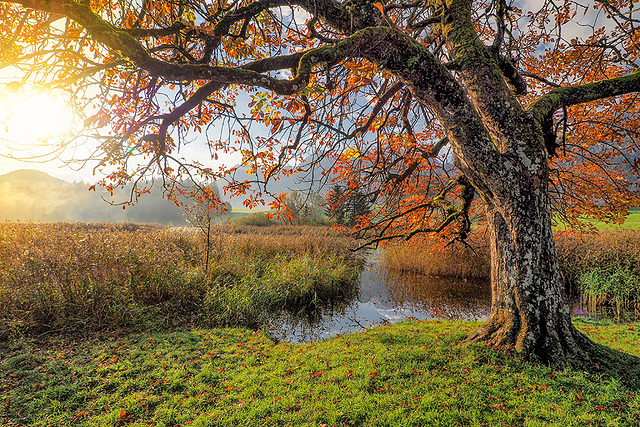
[(438, 109), (330, 81)]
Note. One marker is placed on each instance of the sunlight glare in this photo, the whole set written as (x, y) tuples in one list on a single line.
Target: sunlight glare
[(33, 118)]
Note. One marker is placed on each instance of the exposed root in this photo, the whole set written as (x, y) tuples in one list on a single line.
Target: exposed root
[(564, 347)]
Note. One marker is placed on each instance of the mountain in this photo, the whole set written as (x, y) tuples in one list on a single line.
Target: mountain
[(36, 196), (28, 176)]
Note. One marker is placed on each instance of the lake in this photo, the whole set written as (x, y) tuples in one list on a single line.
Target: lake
[(382, 297)]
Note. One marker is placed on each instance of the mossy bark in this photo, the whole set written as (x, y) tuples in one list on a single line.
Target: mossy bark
[(530, 310)]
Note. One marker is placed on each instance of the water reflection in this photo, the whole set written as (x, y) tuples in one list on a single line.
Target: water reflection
[(383, 297)]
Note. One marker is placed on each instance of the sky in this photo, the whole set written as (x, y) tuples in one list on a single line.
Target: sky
[(31, 123)]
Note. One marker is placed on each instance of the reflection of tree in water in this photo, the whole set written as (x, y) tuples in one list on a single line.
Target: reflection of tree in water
[(313, 315), (313, 323), (442, 297)]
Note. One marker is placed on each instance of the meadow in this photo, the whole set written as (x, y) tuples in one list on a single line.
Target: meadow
[(415, 373), (105, 325)]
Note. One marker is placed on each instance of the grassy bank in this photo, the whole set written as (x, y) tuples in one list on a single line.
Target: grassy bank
[(60, 277), (631, 222), (409, 374)]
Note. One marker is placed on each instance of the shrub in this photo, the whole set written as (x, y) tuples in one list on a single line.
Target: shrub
[(255, 219)]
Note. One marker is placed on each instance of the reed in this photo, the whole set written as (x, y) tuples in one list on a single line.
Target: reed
[(91, 277), (430, 258)]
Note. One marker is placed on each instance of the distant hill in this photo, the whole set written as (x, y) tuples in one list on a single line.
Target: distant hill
[(28, 176), (36, 196)]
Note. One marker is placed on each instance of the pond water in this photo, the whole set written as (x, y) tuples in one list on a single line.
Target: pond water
[(382, 297)]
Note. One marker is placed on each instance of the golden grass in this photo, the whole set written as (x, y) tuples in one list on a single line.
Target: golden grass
[(578, 253), (430, 259), (61, 276)]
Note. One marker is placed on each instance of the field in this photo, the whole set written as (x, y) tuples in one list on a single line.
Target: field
[(632, 222), (123, 326), (82, 277)]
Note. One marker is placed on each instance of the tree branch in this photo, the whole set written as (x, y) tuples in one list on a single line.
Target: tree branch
[(571, 95), (175, 28)]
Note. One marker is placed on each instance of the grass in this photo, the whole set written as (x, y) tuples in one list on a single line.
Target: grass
[(603, 269), (425, 258), (70, 277), (409, 374), (632, 222)]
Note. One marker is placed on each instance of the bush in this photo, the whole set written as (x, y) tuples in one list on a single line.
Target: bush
[(255, 219)]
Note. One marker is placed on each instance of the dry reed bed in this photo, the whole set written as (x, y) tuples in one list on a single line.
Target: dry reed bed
[(429, 258), (78, 276), (603, 268)]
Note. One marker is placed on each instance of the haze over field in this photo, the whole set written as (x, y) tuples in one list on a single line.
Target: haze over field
[(31, 195)]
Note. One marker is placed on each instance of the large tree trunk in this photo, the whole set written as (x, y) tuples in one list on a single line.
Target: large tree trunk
[(529, 309)]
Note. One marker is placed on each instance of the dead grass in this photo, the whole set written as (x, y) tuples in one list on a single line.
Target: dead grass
[(87, 276), (578, 253), (429, 258), (615, 249)]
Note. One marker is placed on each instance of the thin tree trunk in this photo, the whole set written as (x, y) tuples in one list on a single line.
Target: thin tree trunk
[(208, 248)]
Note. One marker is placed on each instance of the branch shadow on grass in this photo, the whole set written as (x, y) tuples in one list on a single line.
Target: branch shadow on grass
[(608, 362)]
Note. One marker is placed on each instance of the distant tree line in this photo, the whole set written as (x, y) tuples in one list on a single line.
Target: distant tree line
[(30, 195)]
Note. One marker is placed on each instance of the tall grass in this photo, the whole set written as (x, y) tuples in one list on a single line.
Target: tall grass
[(430, 259), (602, 269), (617, 288), (607, 250), (87, 277)]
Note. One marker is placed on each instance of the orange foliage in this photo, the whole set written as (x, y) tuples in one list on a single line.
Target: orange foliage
[(354, 123)]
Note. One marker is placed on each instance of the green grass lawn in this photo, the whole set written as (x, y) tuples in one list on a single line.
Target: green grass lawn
[(250, 211), (632, 222), (409, 374)]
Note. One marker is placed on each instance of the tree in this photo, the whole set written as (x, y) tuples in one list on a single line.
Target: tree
[(304, 209), (202, 211), (444, 108), (347, 206)]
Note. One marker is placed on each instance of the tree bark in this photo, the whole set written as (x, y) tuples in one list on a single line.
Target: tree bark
[(529, 308)]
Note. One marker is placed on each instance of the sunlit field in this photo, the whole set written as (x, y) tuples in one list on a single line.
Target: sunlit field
[(409, 374)]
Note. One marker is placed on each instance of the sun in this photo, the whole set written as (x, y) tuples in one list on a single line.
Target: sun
[(34, 117)]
